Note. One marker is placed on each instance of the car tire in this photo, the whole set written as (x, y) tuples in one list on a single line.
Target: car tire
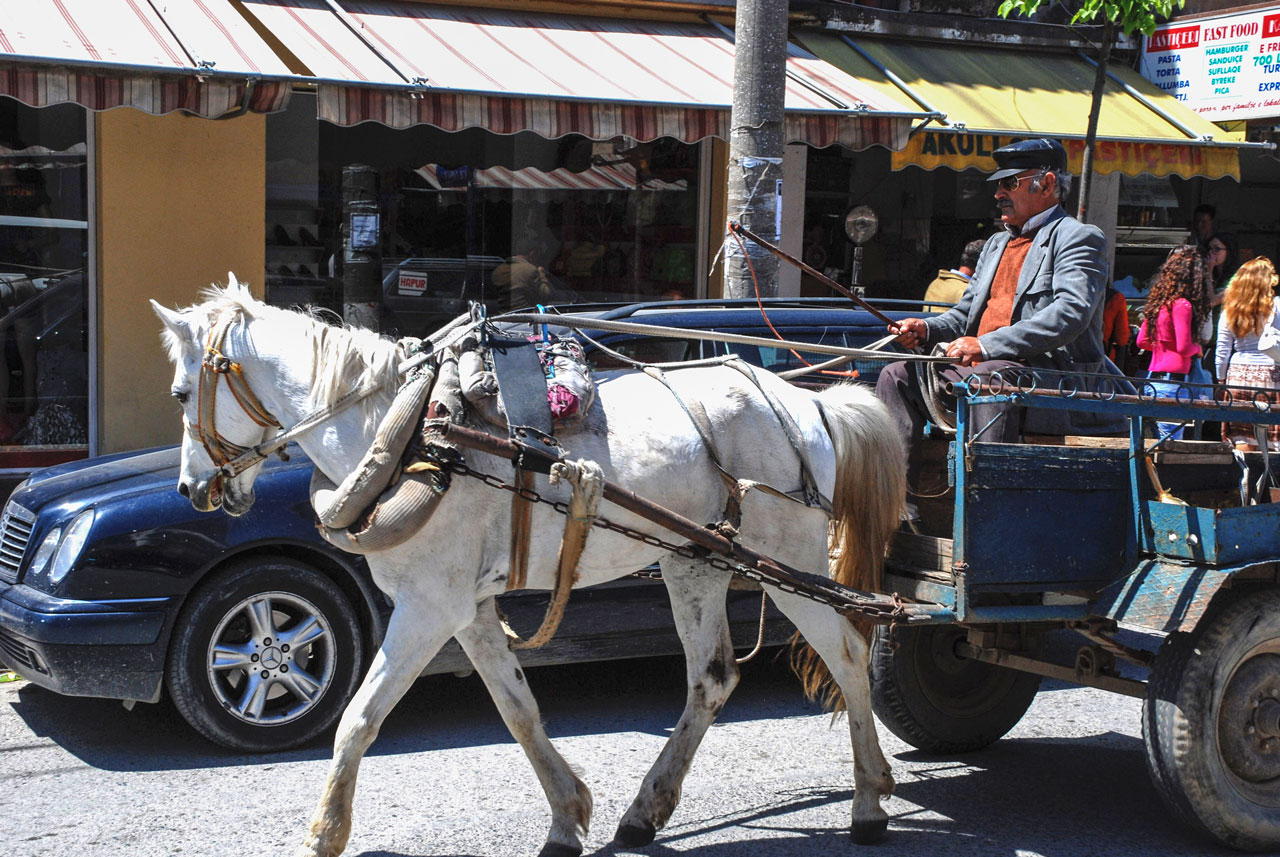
[(1211, 722), (939, 702), (265, 655)]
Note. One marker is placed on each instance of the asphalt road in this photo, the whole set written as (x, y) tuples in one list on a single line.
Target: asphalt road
[(82, 777)]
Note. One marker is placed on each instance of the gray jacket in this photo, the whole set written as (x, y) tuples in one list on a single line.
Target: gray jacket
[(1057, 313)]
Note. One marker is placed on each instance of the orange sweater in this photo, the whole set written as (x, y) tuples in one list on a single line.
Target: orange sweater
[(998, 312), (1115, 325)]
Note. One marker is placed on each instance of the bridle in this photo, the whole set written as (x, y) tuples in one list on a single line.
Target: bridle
[(214, 364), (231, 459)]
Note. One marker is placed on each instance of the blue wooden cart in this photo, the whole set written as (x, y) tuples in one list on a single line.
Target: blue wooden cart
[(1126, 543)]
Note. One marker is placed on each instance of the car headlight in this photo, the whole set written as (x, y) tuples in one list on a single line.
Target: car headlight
[(60, 549), (45, 552)]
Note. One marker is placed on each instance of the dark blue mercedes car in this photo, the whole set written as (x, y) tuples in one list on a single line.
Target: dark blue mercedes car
[(112, 585)]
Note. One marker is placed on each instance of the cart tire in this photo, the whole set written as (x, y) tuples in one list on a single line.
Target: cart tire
[(939, 702), (1210, 720)]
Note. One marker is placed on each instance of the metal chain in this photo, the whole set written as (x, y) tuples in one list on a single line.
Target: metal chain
[(891, 614)]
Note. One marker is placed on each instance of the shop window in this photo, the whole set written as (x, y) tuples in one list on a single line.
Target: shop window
[(507, 220), (44, 359)]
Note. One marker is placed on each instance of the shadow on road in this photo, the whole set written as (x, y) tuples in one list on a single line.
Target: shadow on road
[(1054, 797), (1051, 797), (442, 711), (438, 712)]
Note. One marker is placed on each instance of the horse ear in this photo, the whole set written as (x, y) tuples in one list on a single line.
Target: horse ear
[(172, 319)]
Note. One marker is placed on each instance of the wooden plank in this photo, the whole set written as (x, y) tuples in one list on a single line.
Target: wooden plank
[(929, 556), (1219, 458), (1192, 447)]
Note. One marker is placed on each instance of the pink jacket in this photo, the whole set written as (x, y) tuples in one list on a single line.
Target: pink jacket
[(1175, 343)]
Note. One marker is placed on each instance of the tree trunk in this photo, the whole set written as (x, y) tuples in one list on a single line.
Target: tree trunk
[(755, 143), (1095, 107)]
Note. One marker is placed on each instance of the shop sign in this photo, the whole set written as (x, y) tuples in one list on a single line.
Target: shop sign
[(933, 149), (412, 283), (1225, 67)]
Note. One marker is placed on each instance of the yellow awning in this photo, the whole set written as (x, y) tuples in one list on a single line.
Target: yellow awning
[(993, 96)]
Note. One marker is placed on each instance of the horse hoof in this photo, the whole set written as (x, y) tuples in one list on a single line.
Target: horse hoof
[(634, 835), (869, 832), (555, 849)]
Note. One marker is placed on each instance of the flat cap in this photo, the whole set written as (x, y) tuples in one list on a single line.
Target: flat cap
[(1035, 154)]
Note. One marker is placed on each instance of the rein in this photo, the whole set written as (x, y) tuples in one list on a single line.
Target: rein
[(232, 459)]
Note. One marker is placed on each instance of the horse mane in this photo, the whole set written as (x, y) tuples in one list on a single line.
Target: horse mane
[(343, 358)]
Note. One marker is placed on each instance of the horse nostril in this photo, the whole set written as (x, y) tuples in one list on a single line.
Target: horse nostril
[(184, 490)]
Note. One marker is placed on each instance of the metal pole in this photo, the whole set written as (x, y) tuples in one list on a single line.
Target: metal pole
[(755, 143)]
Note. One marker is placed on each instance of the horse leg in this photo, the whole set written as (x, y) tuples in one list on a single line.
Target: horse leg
[(485, 643), (415, 633), (698, 606), (845, 653)]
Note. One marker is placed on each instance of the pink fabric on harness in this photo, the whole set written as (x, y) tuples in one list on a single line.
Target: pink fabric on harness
[(564, 402), (563, 358)]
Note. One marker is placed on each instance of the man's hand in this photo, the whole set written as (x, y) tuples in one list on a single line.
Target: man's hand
[(911, 332), (967, 349)]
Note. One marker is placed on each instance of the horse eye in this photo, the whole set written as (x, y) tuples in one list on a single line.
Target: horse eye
[(180, 396)]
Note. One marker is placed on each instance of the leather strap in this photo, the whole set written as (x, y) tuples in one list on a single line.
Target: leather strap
[(810, 495), (522, 388), (584, 503), (521, 512)]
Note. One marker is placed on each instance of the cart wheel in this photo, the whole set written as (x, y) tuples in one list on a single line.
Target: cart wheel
[(1211, 723), (939, 702)]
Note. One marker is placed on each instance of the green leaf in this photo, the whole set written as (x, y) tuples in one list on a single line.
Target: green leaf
[(10, 675), (1127, 15)]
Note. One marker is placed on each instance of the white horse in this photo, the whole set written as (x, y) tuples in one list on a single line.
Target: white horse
[(444, 580)]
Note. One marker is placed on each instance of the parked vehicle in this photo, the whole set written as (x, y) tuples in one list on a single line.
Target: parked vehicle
[(111, 584)]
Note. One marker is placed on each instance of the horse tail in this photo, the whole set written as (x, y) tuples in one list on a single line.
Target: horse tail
[(867, 505)]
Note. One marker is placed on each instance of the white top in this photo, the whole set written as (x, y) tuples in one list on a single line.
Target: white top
[(1240, 350)]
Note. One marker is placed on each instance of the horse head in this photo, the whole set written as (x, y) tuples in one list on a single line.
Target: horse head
[(221, 416)]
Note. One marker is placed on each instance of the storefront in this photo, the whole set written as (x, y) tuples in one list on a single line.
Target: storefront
[(515, 155), (466, 215), (44, 348), (1223, 67), (1151, 157), (523, 155), (102, 207)]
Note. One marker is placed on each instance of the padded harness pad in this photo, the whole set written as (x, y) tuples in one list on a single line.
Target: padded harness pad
[(522, 387)]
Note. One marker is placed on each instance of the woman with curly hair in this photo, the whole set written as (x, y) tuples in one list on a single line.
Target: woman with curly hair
[(1249, 306), (1177, 307)]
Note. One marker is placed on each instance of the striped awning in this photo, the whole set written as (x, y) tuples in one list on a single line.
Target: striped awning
[(619, 176), (405, 64), (200, 56)]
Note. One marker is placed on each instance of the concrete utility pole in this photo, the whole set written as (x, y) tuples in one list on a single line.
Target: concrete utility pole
[(361, 247), (756, 142)]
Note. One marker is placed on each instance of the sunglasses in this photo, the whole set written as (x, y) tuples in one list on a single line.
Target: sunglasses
[(1217, 248), (1010, 183)]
